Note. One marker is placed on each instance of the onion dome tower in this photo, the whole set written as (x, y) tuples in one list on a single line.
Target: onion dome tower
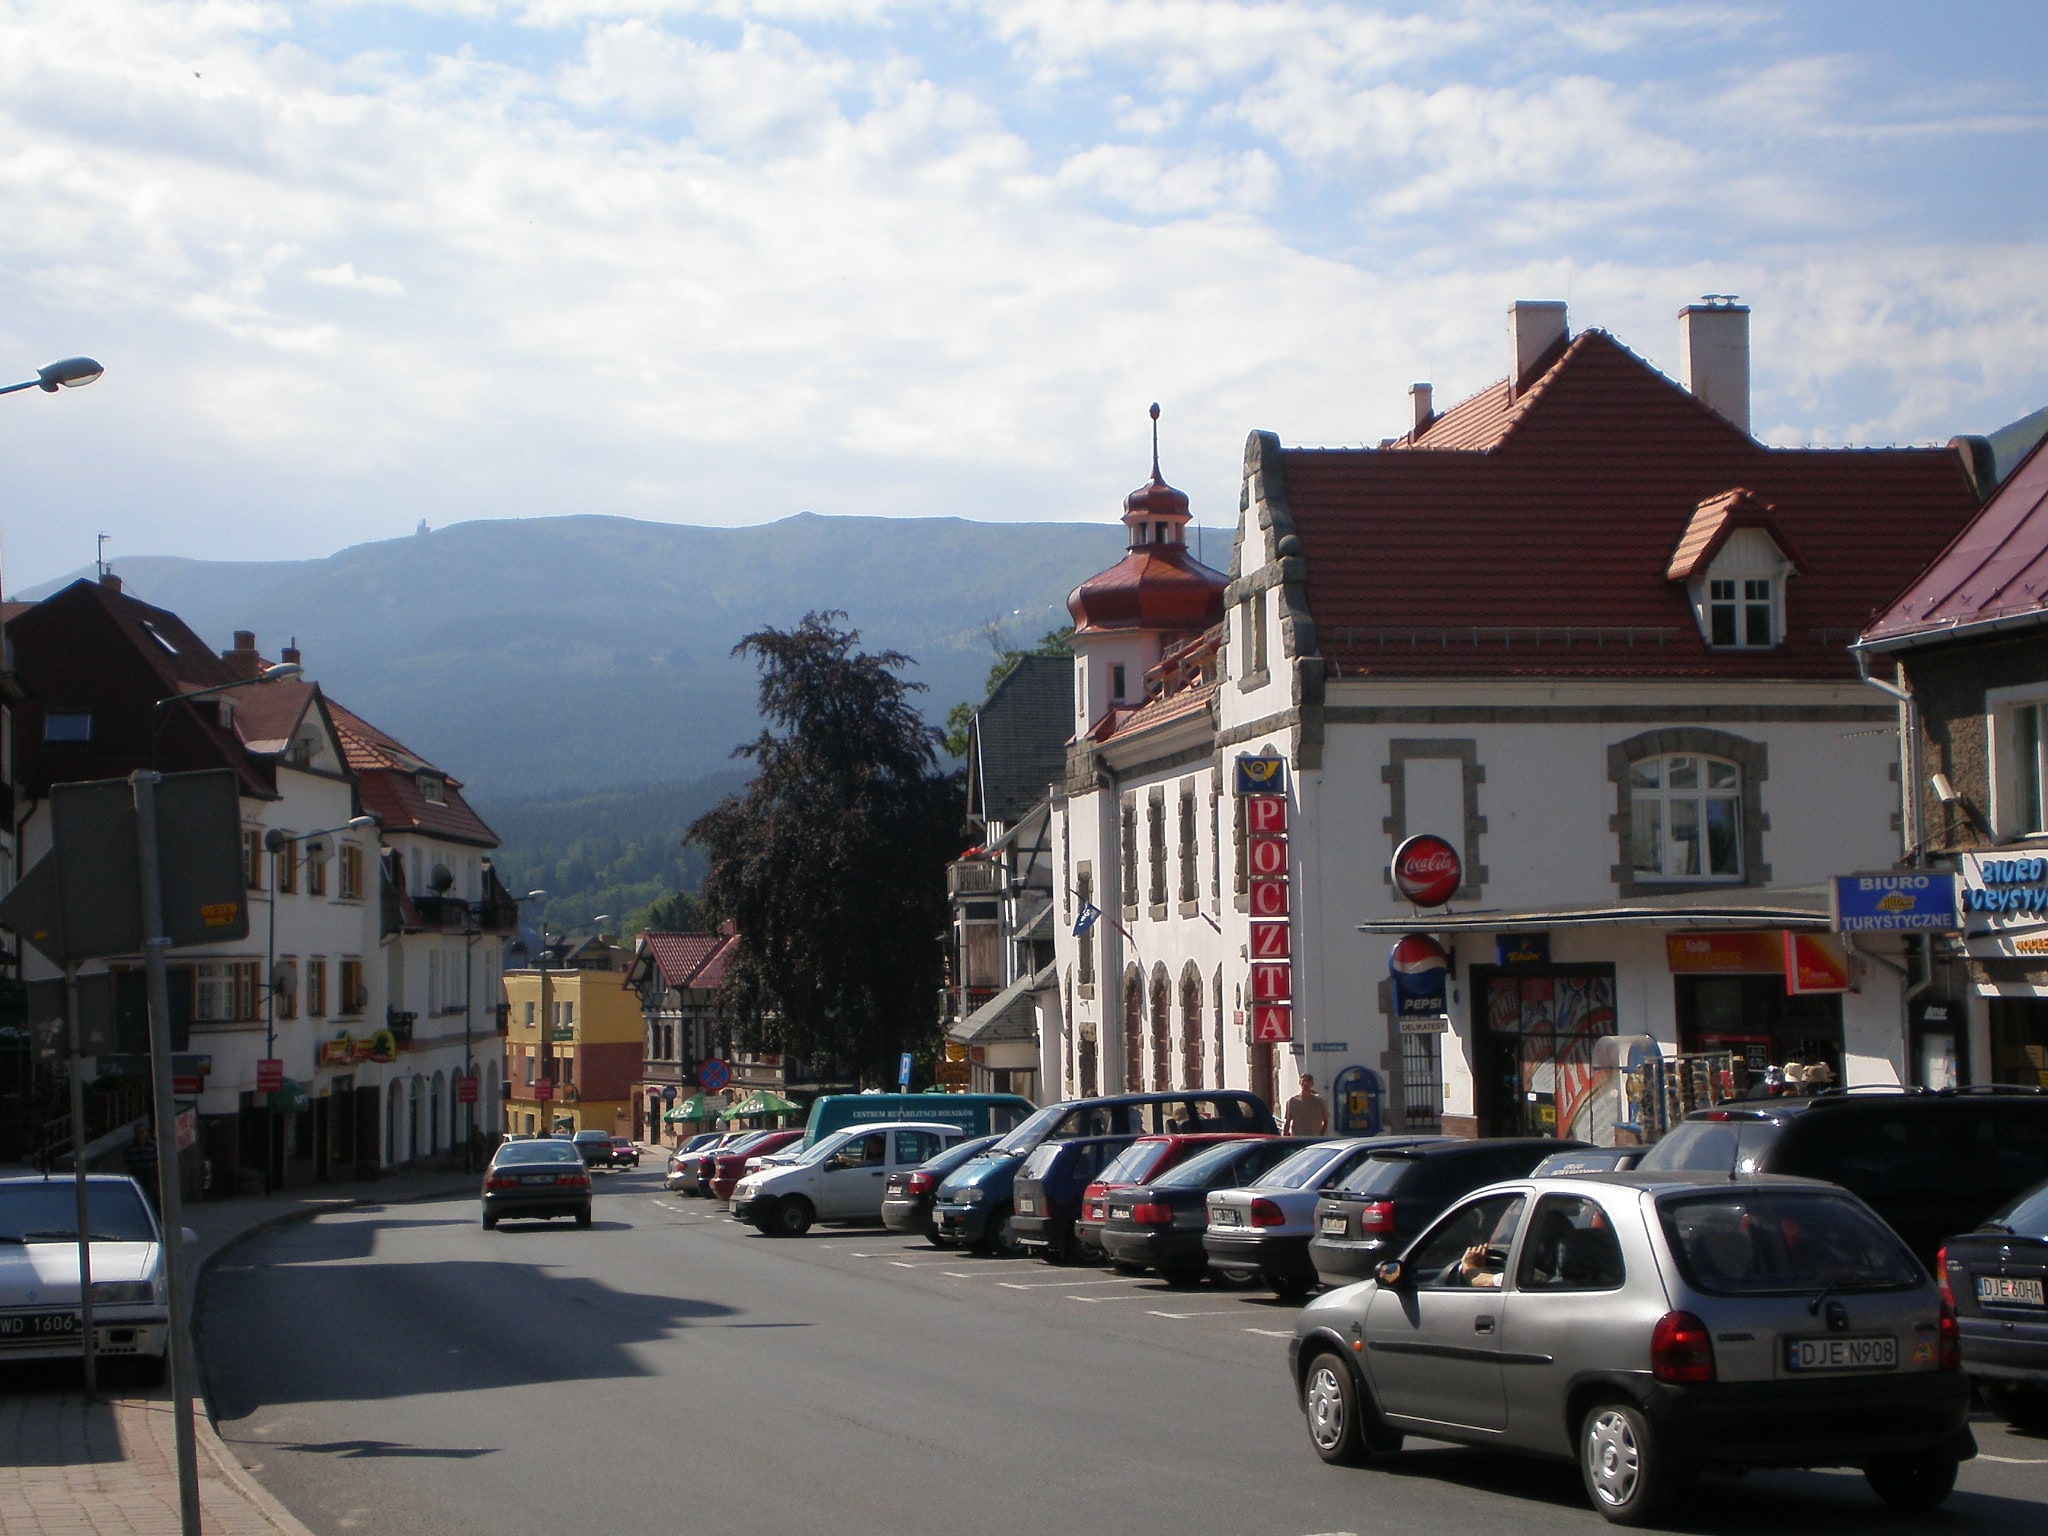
[(1126, 617)]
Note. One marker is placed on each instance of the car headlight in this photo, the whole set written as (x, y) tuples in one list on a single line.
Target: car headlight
[(123, 1293), (971, 1195)]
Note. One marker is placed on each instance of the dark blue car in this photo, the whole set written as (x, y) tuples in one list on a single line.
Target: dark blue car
[(1049, 1189)]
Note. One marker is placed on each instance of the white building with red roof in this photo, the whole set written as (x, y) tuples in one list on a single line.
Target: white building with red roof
[(1593, 636)]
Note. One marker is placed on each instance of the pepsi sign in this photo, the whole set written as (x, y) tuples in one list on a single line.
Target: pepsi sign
[(1421, 973), (1427, 870)]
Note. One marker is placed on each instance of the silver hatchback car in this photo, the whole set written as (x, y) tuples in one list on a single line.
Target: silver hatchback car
[(1649, 1327)]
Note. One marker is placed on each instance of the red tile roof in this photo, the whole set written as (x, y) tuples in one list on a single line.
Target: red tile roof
[(1541, 546), (1995, 573), (690, 959), (388, 775), (1713, 521)]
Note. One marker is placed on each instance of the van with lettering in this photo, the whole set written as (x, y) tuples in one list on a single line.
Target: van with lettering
[(977, 1114)]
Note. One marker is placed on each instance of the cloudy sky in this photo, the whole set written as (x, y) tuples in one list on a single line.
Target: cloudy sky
[(351, 265)]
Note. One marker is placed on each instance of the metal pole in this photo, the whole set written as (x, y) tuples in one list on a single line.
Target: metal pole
[(547, 1115), (78, 1177), (270, 1024), (468, 1061), (154, 944)]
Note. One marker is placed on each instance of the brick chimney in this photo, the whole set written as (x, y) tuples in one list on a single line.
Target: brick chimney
[(1422, 408), (291, 652), (1535, 328), (244, 660), (1713, 354), (110, 581)]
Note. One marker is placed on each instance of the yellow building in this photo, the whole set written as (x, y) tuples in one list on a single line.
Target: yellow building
[(591, 1052)]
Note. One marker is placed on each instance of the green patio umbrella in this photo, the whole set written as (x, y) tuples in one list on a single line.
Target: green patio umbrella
[(696, 1107), (762, 1101)]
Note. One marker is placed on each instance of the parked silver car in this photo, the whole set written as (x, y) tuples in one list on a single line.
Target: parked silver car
[(1648, 1326)]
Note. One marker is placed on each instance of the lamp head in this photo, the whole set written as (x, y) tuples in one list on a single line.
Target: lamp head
[(67, 373), (280, 672)]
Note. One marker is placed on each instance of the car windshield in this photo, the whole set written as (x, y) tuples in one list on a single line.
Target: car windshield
[(1304, 1168), (1733, 1145), (1379, 1174), (2027, 1216), (1205, 1167), (1034, 1130), (1135, 1163), (47, 1211), (1739, 1242), (537, 1152), (821, 1149)]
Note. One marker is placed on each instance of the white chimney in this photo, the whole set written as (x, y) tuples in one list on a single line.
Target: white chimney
[(1534, 327), (1713, 354), (1420, 397)]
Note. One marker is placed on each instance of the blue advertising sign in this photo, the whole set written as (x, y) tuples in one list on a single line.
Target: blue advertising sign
[(1420, 970), (1261, 775), (1895, 902), (1511, 949)]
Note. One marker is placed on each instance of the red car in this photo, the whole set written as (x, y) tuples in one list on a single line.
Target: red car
[(625, 1152), (1139, 1163), (727, 1166)]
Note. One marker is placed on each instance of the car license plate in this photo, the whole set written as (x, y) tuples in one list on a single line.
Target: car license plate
[(1866, 1352), (1119, 1213), (28, 1327), (1224, 1216), (1026, 1206), (536, 1178), (1334, 1225), (2003, 1290)]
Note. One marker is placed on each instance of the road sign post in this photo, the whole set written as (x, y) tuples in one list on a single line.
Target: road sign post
[(903, 1071)]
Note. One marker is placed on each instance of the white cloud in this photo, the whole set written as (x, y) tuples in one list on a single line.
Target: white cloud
[(346, 276)]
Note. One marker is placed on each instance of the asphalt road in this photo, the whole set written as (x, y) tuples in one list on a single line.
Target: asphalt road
[(400, 1371)]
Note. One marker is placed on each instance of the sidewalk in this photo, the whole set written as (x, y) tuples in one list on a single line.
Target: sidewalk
[(73, 1468)]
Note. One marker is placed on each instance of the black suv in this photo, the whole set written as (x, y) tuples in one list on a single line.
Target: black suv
[(1402, 1188), (1049, 1189), (1928, 1163)]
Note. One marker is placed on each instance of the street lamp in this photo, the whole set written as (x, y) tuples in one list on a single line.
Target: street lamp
[(275, 841), (278, 672), (65, 373)]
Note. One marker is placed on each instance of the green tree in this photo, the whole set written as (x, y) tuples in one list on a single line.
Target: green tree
[(677, 912), (1054, 642), (832, 863)]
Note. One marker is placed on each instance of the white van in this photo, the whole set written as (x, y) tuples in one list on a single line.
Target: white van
[(840, 1177)]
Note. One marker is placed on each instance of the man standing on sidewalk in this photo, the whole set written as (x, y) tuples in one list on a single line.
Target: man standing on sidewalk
[(1307, 1114)]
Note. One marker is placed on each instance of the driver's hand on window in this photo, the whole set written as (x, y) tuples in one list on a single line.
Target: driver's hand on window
[(1473, 1269)]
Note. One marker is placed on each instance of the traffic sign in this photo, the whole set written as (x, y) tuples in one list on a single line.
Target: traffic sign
[(544, 1089), (903, 1071), (713, 1073), (270, 1075), (465, 1089)]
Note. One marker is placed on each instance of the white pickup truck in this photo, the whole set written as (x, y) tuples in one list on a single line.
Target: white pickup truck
[(839, 1178)]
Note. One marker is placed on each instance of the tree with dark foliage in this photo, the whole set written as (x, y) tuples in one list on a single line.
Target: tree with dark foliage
[(832, 864)]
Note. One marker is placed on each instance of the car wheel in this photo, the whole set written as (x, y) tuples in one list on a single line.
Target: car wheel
[(1001, 1241), (2022, 1407), (490, 1221), (1627, 1474), (1919, 1481), (1336, 1419), (583, 1217), (1290, 1286), (793, 1218)]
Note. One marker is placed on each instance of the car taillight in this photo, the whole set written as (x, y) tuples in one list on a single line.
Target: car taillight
[(1681, 1350), (501, 1181), (574, 1180), (1951, 1357), (1376, 1216), (918, 1184), (1948, 1297), (1266, 1214), (1152, 1214)]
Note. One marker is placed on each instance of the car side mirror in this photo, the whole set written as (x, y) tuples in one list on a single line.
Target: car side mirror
[(187, 1236), (1390, 1274)]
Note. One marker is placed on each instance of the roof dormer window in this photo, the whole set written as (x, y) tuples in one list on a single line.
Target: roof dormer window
[(1742, 612), (433, 789), (1735, 561)]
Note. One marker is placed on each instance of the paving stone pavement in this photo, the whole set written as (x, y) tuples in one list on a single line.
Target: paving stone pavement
[(69, 1467)]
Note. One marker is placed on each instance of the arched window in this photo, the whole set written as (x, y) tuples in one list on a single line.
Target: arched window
[(1191, 1028), (1216, 1013), (1134, 1031), (1162, 1030), (1685, 818)]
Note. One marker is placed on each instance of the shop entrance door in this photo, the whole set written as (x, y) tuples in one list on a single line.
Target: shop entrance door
[(1533, 1046), (2019, 1041)]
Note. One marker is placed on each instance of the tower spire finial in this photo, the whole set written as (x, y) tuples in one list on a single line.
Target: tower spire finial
[(1155, 439)]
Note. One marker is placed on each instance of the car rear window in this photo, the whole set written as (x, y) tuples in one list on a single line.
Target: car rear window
[(1135, 1163), (1202, 1168), (538, 1152), (1731, 1146), (1783, 1242), (1302, 1169), (2028, 1215), (1381, 1174), (1040, 1161)]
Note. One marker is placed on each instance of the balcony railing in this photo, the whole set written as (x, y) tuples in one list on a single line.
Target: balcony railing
[(400, 1024), (974, 877)]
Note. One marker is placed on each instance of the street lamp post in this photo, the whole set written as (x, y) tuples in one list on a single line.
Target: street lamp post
[(280, 672), (275, 841), (65, 373)]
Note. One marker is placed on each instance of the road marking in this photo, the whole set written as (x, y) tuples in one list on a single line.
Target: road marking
[(1062, 1285), (2014, 1461), (1094, 1300), (1179, 1315), (1272, 1333), (959, 1274)]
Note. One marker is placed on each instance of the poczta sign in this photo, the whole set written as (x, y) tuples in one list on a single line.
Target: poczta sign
[(1262, 784)]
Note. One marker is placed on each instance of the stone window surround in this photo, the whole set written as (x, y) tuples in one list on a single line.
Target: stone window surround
[(1752, 757), (1401, 751)]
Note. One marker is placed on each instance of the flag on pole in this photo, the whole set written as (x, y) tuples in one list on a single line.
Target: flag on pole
[(1085, 918)]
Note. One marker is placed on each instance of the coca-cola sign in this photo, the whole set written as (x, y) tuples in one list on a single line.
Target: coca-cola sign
[(1427, 870)]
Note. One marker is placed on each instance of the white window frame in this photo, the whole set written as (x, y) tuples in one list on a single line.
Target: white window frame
[(1662, 796), (2014, 781), (1753, 571)]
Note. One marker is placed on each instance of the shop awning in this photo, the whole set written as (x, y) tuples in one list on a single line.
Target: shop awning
[(1799, 906), (1006, 1016)]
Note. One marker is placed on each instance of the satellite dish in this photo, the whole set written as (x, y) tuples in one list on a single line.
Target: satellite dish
[(441, 879), (284, 979)]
